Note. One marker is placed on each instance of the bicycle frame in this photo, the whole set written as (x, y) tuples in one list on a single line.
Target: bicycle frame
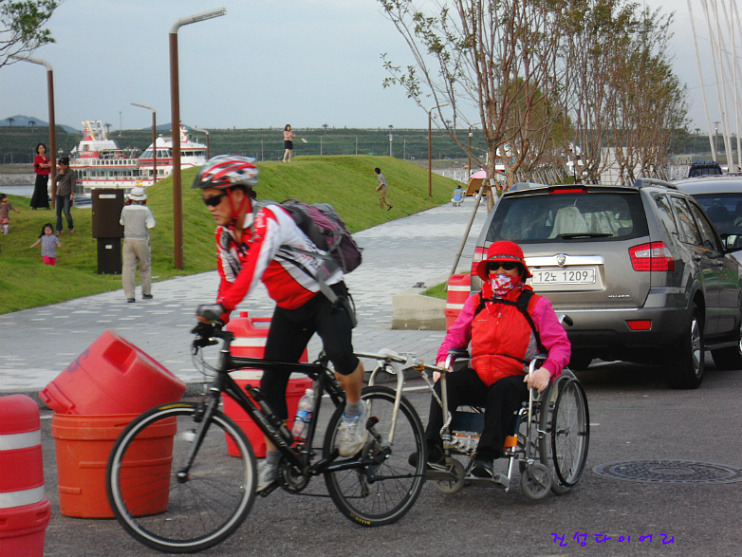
[(259, 412)]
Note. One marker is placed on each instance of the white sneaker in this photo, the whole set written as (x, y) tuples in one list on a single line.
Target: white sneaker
[(267, 474), (352, 432)]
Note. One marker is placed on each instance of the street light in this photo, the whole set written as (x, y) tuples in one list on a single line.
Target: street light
[(52, 125), (175, 106), (430, 147), (390, 140), (154, 140), (208, 142)]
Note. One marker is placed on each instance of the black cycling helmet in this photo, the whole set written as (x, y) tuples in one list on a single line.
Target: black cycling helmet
[(226, 171)]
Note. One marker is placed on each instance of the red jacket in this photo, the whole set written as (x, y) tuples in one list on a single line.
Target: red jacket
[(265, 254), (500, 333)]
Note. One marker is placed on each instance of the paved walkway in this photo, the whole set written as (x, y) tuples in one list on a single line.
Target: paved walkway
[(39, 343)]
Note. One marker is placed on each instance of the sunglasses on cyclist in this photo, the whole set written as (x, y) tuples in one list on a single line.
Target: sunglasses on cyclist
[(506, 265), (213, 201)]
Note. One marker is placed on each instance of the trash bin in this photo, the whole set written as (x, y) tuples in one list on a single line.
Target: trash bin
[(106, 211)]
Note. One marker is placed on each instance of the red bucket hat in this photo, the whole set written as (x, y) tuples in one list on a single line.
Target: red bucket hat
[(503, 250)]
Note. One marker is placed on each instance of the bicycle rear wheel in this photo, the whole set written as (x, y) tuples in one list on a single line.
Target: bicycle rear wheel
[(187, 512), (383, 490)]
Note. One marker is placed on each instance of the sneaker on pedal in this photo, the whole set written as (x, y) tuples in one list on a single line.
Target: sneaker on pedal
[(352, 432), (267, 475)]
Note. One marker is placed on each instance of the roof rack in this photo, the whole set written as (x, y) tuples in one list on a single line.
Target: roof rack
[(644, 182)]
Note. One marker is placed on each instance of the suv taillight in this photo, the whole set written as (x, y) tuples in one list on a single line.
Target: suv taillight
[(654, 256), (480, 254)]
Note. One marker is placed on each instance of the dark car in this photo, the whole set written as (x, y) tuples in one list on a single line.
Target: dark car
[(640, 271), (721, 198)]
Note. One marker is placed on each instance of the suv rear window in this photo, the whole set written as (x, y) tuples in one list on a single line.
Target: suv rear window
[(560, 216)]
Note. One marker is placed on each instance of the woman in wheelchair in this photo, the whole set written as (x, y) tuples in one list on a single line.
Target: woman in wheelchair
[(506, 325)]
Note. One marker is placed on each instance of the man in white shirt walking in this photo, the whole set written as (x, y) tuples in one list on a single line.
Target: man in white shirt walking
[(137, 219)]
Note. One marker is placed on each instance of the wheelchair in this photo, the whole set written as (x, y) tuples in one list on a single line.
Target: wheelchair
[(548, 442)]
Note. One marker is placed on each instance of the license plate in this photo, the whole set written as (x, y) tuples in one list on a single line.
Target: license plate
[(566, 276)]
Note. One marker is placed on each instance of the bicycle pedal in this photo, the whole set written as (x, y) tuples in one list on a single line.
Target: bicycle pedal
[(268, 490)]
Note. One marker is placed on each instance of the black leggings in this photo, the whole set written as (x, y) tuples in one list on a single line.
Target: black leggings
[(500, 400), (289, 335)]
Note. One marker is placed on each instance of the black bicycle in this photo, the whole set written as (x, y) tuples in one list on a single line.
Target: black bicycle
[(174, 487)]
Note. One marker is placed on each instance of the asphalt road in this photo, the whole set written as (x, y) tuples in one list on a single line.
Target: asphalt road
[(634, 417)]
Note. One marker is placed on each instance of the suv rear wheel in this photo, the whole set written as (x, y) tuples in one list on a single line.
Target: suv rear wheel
[(731, 356), (686, 370)]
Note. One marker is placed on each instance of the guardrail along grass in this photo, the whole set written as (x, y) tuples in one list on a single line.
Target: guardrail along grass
[(347, 182)]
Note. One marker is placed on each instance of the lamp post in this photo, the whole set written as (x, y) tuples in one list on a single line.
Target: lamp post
[(469, 163), (208, 141), (52, 125), (390, 140), (430, 146), (154, 140), (175, 109)]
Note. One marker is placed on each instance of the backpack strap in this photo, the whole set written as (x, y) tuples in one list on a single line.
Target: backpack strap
[(522, 305)]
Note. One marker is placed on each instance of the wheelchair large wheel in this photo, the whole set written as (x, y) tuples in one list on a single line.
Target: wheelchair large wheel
[(382, 491), (570, 433), (546, 413)]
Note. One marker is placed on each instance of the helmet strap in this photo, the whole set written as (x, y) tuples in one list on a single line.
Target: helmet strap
[(241, 210)]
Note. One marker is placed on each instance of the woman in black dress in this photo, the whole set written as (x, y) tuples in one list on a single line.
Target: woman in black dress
[(41, 166)]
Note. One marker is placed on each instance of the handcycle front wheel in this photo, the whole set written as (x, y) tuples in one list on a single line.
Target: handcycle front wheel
[(383, 489), (166, 509)]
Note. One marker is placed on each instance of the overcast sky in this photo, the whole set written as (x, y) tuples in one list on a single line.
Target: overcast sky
[(266, 63)]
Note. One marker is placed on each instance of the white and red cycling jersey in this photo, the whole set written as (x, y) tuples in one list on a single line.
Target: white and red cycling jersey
[(269, 251)]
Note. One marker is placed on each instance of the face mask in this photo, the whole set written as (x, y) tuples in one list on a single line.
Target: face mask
[(502, 284)]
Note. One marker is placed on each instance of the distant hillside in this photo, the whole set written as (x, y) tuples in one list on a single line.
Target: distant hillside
[(29, 121), (18, 141)]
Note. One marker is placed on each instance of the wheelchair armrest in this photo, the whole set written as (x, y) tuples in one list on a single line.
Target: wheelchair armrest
[(455, 354), (536, 362)]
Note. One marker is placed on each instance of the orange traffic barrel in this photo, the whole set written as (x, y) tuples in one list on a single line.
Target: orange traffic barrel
[(83, 445), (459, 289), (112, 376), (250, 336), (24, 511)]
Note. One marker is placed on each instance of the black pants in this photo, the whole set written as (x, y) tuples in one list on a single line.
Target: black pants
[(500, 400), (289, 335)]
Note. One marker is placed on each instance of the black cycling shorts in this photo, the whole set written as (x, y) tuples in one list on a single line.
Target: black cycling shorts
[(289, 335)]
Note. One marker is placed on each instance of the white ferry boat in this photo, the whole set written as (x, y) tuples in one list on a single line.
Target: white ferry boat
[(100, 163)]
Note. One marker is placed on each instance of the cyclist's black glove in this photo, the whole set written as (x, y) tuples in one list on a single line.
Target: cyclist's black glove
[(210, 312), (205, 332)]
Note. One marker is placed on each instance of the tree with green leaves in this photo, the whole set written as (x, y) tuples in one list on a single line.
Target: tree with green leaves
[(22, 26)]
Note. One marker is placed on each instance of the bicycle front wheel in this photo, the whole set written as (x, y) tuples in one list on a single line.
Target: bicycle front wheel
[(384, 485), (166, 506)]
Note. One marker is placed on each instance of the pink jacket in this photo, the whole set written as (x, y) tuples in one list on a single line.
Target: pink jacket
[(552, 334)]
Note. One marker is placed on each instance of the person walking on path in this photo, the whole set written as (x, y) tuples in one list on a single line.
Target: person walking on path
[(5, 208), (381, 188), (66, 180), (288, 143), (49, 244), (137, 219), (41, 166)]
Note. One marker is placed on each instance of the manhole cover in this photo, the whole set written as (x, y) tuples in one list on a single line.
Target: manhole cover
[(669, 471)]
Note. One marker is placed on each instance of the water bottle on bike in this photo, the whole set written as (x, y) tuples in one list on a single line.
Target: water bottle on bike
[(303, 416)]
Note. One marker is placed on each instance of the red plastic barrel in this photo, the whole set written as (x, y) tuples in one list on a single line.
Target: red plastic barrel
[(459, 289), (24, 511), (83, 445), (112, 376), (250, 336)]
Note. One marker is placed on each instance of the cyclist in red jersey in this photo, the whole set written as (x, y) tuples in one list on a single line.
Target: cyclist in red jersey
[(267, 245)]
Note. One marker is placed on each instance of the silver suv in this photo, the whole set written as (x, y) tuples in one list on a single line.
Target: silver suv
[(640, 271)]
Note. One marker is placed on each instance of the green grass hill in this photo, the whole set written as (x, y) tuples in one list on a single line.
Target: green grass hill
[(348, 182)]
